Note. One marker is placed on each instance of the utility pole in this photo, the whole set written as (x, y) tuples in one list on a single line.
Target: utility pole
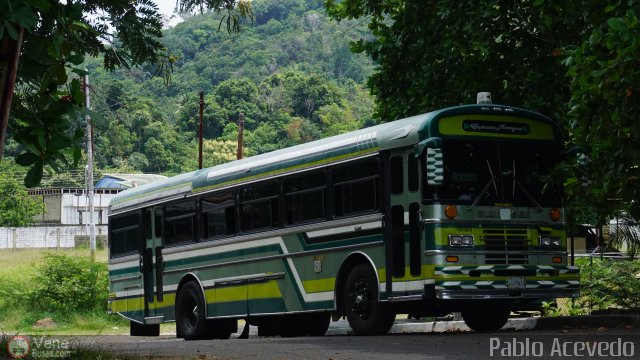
[(92, 225), (200, 130), (240, 135)]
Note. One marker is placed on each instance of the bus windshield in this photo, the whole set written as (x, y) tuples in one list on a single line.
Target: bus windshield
[(486, 173)]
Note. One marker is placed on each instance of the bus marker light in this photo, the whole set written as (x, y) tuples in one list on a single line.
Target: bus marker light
[(556, 260), (451, 211), (555, 214), (452, 259)]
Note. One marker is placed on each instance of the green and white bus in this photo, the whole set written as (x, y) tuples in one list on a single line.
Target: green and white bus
[(437, 213)]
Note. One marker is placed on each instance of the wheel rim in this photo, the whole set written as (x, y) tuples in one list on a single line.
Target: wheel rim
[(361, 298), (191, 313)]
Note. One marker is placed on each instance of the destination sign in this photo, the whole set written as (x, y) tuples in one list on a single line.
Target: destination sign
[(496, 127)]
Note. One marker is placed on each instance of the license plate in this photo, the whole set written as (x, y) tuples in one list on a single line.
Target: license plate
[(516, 283)]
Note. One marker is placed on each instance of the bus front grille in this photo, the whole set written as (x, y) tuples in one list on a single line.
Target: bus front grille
[(506, 246)]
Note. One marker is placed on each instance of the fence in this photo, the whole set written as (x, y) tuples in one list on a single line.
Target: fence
[(58, 236)]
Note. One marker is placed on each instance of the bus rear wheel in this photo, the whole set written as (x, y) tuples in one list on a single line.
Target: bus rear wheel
[(366, 315), (487, 317), (191, 323)]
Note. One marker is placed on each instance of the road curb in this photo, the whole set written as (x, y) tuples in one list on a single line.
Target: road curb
[(532, 323), (587, 322)]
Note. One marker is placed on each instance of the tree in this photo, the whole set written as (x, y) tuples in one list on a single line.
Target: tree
[(238, 96), (16, 206), (575, 61), (57, 37)]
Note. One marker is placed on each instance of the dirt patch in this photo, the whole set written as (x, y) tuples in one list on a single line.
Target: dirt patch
[(45, 323)]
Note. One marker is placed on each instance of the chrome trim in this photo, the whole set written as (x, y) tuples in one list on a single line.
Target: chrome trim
[(504, 294), (276, 257), (248, 278), (406, 298), (483, 221), (154, 320), (244, 316), (123, 259), (131, 319), (462, 252), (125, 278)]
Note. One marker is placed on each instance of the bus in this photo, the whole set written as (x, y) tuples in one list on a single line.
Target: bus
[(448, 211)]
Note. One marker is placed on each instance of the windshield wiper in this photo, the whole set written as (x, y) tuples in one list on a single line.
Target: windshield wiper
[(529, 196), (486, 187), (524, 190)]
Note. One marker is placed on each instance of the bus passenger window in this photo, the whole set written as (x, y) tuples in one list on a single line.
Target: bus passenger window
[(124, 235), (179, 223), (259, 206), (304, 197), (158, 223), (219, 215), (356, 187)]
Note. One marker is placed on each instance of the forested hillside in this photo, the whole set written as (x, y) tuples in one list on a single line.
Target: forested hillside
[(290, 72)]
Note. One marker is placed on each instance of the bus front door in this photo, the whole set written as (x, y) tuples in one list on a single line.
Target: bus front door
[(404, 231), (152, 266)]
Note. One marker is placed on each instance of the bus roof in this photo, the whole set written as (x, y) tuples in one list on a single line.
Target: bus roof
[(489, 121)]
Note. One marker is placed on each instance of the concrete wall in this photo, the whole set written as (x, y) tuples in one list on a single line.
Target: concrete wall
[(48, 236)]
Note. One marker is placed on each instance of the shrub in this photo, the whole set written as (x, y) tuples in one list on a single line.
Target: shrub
[(610, 283), (65, 284)]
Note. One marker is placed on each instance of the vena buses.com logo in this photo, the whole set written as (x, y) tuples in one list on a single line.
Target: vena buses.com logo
[(18, 346)]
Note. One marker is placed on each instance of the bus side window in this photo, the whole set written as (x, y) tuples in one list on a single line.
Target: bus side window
[(124, 235), (218, 215), (158, 223), (179, 222), (304, 197), (147, 224), (356, 187), (259, 206)]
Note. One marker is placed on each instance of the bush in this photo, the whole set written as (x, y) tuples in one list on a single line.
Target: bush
[(65, 284), (610, 283)]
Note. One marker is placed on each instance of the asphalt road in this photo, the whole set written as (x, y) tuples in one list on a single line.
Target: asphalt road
[(622, 342)]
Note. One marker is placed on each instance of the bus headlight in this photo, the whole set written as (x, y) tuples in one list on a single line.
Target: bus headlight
[(547, 241), (461, 240)]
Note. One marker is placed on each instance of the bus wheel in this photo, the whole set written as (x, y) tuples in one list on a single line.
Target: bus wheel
[(191, 323), (487, 317), (366, 315)]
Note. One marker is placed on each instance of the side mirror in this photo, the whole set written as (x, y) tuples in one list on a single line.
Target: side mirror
[(435, 166)]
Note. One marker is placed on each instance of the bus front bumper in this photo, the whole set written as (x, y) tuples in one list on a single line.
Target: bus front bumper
[(506, 282)]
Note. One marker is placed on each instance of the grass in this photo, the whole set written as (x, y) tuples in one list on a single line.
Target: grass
[(17, 272)]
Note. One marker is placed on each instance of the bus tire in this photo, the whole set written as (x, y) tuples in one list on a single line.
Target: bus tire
[(486, 317), (191, 323), (366, 315)]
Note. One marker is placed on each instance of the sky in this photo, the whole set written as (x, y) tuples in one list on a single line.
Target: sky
[(166, 8)]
